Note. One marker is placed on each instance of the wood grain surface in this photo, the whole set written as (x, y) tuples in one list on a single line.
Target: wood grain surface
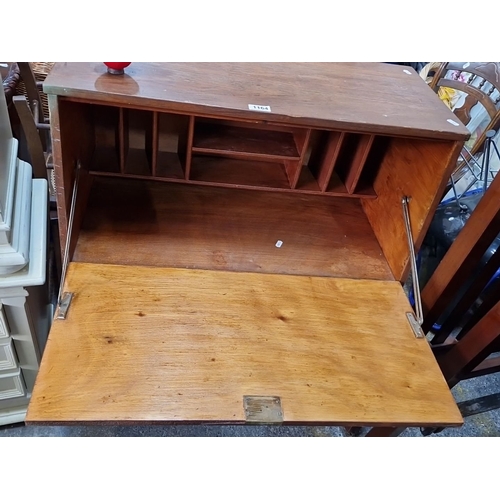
[(359, 97), (245, 142), (420, 170), (135, 222), (169, 345)]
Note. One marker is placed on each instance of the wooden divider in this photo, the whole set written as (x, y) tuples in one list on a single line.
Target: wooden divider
[(171, 147), (189, 148), (329, 158), (294, 167), (354, 170), (122, 139), (155, 140)]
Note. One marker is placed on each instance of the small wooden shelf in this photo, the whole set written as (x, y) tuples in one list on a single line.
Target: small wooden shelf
[(239, 172), (244, 142), (162, 146)]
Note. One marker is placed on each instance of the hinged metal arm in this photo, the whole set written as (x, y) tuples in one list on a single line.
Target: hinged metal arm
[(414, 271), (64, 300)]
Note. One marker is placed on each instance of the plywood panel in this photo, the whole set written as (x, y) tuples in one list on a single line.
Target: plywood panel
[(416, 168), (73, 142), (170, 345), (149, 223)]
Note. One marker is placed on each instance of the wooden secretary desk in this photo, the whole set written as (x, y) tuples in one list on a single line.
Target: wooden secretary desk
[(238, 244)]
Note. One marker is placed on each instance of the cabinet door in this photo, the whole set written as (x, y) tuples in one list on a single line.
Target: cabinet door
[(173, 345)]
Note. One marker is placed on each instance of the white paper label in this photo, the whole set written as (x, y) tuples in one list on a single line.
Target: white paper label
[(259, 107), (453, 122), (466, 65), (279, 243)]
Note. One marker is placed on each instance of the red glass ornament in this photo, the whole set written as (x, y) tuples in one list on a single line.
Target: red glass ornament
[(116, 68)]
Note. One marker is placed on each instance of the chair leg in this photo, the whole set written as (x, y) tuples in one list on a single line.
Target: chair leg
[(474, 348), (385, 431)]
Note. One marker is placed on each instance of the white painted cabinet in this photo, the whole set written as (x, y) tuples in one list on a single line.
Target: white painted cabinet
[(25, 317), (25, 312)]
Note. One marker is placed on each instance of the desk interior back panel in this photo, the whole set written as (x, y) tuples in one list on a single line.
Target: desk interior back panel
[(135, 222)]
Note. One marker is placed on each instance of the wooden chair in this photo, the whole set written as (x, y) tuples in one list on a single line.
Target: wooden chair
[(467, 343), (34, 125), (9, 72), (481, 87), (460, 263), (31, 111), (479, 83)]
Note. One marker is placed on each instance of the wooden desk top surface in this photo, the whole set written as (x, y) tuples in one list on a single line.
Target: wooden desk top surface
[(372, 97), (172, 345)]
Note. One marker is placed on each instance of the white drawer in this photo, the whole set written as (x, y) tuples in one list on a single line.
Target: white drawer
[(8, 358), (11, 385), (4, 329)]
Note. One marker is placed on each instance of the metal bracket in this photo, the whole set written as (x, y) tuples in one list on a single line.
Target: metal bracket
[(64, 300), (64, 304), (263, 409), (417, 329), (413, 262)]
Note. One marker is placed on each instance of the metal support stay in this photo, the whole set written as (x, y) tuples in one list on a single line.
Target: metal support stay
[(415, 323), (64, 299)]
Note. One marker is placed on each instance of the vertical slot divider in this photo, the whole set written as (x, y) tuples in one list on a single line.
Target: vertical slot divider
[(122, 139), (335, 141), (189, 147), (301, 139), (354, 172), (154, 145)]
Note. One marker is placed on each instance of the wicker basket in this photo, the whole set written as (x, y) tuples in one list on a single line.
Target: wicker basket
[(40, 70), (10, 81)]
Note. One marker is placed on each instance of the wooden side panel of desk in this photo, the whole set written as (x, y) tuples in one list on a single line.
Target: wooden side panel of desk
[(71, 145), (168, 345), (419, 169)]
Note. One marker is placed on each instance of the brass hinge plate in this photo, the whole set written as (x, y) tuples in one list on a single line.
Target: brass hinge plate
[(62, 310), (263, 409), (417, 329)]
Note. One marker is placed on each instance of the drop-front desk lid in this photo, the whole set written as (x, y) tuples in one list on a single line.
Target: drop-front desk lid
[(144, 344)]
